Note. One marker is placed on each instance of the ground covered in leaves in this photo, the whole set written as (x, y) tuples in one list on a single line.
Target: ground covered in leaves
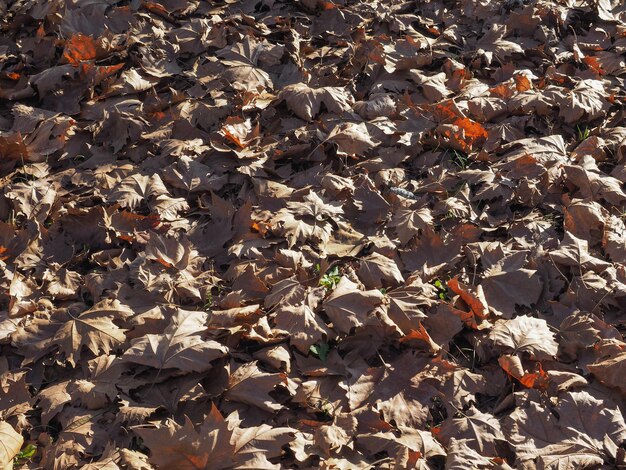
[(312, 234)]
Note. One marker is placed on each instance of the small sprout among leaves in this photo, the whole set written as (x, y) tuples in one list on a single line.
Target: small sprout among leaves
[(331, 278), (583, 132), (442, 289), (24, 456), (209, 301), (460, 159), (321, 350)]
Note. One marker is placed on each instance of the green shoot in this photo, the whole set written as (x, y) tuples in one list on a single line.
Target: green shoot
[(320, 350), (27, 453), (459, 159), (442, 289), (583, 133), (331, 278), (209, 301)]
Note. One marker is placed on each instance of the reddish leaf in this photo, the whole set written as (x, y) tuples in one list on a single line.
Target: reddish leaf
[(79, 48)]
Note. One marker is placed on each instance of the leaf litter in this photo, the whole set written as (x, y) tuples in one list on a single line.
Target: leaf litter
[(275, 234)]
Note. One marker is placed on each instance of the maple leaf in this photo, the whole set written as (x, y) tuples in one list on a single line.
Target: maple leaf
[(312, 223), (136, 188), (315, 207), (527, 335), (507, 284), (379, 271), (587, 98), (52, 400), (303, 326), (305, 102), (585, 432), (580, 331), (179, 347), (413, 439), (93, 328), (348, 307), (184, 447), (611, 370), (169, 252), (573, 251), (408, 222), (432, 253), (461, 454), (480, 431), (248, 384), (253, 446), (352, 139), (408, 303)]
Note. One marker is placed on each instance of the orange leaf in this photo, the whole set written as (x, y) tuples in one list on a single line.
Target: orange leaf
[(538, 380), (467, 232), (473, 130), (592, 62), (311, 423), (105, 71), (522, 83), (157, 115), (512, 365), (85, 68), (422, 334), (155, 8), (445, 111), (78, 48), (476, 305), (163, 262), (468, 318), (503, 90), (233, 138), (467, 131), (3, 249)]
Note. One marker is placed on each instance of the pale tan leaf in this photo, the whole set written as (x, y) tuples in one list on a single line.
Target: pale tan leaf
[(10, 445)]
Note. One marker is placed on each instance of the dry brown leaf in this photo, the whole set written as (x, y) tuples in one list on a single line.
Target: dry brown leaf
[(179, 177), (610, 371), (184, 447), (180, 346), (525, 334), (480, 431), (302, 325), (248, 384), (305, 102), (348, 307), (583, 434), (378, 271), (93, 328), (507, 284)]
